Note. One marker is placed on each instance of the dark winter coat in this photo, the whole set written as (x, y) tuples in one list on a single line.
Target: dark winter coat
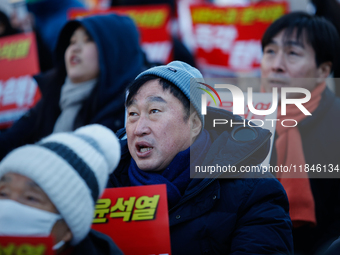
[(96, 243), (321, 139), (120, 61), (334, 249), (234, 215)]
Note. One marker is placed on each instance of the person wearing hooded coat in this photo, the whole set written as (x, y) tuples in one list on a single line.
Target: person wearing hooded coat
[(120, 59)]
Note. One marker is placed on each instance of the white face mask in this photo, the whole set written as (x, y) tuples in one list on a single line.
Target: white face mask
[(17, 219)]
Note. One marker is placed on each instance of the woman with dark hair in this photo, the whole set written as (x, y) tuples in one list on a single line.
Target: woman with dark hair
[(95, 59)]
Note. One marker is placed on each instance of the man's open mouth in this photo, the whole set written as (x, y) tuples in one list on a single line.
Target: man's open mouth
[(145, 149)]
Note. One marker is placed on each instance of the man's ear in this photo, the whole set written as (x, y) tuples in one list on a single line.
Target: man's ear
[(61, 232), (324, 70), (67, 236), (195, 125)]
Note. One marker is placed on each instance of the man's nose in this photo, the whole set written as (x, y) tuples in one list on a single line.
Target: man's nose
[(142, 127), (278, 64)]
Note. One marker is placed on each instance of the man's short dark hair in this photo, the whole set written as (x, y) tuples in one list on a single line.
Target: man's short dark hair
[(166, 85), (320, 34)]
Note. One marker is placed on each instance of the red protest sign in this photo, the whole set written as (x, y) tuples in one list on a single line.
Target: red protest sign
[(13, 245), (18, 90), (152, 22), (135, 213), (228, 39), (18, 56)]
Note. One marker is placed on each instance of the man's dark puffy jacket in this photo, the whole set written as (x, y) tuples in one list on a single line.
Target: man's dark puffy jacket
[(233, 215)]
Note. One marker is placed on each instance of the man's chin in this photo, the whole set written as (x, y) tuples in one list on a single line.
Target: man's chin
[(146, 167)]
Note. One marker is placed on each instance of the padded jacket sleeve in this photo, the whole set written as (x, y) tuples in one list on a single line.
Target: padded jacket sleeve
[(264, 225)]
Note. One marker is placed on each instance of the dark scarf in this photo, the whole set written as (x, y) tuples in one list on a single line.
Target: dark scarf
[(177, 175)]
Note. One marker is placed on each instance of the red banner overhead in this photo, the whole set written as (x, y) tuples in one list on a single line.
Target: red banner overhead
[(228, 39), (152, 22)]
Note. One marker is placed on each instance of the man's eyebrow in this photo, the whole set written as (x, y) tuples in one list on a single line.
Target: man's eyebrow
[(150, 99), (293, 43), (156, 99)]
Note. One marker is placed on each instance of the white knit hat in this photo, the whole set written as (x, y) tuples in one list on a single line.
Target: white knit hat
[(72, 169)]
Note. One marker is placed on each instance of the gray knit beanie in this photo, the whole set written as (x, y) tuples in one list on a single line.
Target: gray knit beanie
[(185, 77), (72, 169)]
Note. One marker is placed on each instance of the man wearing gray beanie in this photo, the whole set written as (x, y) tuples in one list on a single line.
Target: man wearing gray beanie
[(51, 188), (167, 136)]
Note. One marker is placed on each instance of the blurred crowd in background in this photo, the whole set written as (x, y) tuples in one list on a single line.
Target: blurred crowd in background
[(47, 17)]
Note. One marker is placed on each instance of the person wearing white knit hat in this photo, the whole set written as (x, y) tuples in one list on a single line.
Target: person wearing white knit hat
[(51, 187)]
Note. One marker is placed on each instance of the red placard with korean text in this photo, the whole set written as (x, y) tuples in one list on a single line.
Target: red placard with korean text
[(136, 218), (18, 90), (152, 22), (228, 39), (10, 245)]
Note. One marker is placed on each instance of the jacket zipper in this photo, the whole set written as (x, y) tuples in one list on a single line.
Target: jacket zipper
[(206, 185)]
